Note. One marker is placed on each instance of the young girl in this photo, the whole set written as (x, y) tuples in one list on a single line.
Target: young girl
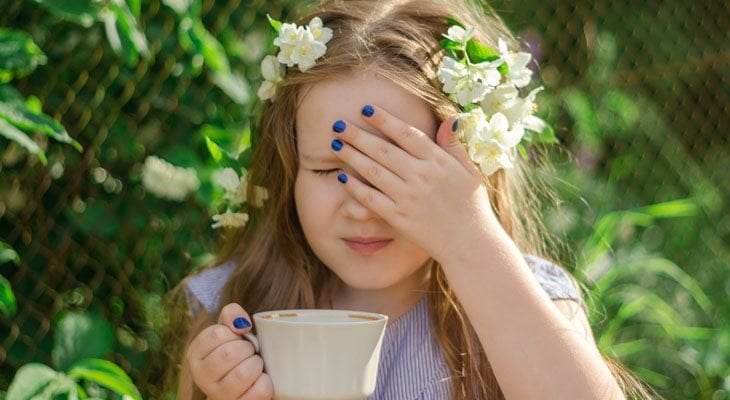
[(376, 205)]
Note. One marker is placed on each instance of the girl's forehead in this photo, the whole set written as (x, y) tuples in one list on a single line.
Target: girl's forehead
[(343, 98)]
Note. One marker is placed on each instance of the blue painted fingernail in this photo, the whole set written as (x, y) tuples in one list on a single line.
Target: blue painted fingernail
[(336, 145), (339, 126), (241, 323), (342, 178), (368, 110), (455, 126)]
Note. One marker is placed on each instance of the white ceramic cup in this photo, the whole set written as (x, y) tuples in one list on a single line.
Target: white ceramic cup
[(320, 354)]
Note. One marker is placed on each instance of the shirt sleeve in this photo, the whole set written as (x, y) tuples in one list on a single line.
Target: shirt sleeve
[(556, 282), (204, 289)]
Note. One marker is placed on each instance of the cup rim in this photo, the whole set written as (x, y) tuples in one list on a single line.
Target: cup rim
[(360, 317)]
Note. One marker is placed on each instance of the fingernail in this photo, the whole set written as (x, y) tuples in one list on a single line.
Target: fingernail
[(455, 126), (368, 110), (339, 126), (342, 178), (336, 145), (241, 323)]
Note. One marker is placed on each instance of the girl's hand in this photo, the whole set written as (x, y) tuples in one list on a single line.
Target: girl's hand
[(430, 192), (223, 365)]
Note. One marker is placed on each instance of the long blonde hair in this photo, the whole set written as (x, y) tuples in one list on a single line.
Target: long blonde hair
[(399, 40)]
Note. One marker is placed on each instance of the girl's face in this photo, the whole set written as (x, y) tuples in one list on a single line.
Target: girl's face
[(338, 227)]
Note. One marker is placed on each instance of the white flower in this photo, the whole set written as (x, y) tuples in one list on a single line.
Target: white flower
[(273, 73), (230, 220), (167, 181), (468, 83), (500, 98), (260, 194), (319, 32), (301, 46), (519, 108), (489, 143), (227, 178), (459, 35), (519, 74)]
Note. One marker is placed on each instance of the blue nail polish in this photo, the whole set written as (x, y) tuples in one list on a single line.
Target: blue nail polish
[(455, 126), (339, 126), (336, 145), (342, 178), (368, 110), (241, 323)]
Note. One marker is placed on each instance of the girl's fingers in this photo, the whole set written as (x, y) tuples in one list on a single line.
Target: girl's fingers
[(368, 196), (370, 171), (262, 389), (240, 378), (409, 138), (382, 150), (236, 318), (226, 356), (208, 340)]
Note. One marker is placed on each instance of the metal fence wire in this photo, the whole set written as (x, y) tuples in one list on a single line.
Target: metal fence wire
[(90, 237)]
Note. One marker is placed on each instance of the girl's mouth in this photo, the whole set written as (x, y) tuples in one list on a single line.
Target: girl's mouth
[(367, 246)]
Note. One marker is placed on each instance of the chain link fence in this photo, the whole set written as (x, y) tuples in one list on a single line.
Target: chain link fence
[(90, 237)]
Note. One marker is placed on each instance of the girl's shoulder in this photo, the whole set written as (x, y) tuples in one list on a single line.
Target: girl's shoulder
[(554, 279), (203, 289)]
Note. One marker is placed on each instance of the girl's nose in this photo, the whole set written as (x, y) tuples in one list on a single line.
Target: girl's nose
[(352, 208)]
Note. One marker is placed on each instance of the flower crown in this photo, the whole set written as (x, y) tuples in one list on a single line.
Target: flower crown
[(485, 84)]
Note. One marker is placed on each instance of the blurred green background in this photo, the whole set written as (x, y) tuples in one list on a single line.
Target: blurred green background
[(636, 91)]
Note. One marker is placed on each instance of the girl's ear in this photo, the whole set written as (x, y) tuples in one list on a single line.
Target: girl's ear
[(448, 138)]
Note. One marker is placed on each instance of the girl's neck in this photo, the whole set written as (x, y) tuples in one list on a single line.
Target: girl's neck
[(393, 301)]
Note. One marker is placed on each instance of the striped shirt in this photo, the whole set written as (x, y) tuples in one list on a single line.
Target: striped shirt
[(412, 366)]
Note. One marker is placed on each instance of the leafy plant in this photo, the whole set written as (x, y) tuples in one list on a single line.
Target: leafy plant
[(19, 56), (8, 306), (78, 372)]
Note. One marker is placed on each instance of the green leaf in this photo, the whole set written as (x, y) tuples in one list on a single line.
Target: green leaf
[(215, 151), (124, 34), (106, 374), (234, 85), (80, 336), (8, 305), (274, 23), (7, 253), (38, 381), (20, 115), (448, 44), (200, 41), (136, 7), (19, 55), (221, 156), (244, 158), (453, 22), (19, 137), (83, 12), (478, 52), (181, 7), (523, 152), (672, 209)]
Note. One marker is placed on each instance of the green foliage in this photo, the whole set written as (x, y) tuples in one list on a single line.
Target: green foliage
[(80, 338)]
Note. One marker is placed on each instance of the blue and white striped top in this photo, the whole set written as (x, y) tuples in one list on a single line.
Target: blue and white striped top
[(412, 366)]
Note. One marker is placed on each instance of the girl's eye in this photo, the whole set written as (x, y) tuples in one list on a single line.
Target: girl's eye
[(324, 171)]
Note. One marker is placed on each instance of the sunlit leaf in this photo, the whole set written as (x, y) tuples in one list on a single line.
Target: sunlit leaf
[(106, 374), (479, 52), (274, 23), (80, 336), (16, 135), (234, 85), (83, 12), (24, 118), (8, 254), (19, 55), (206, 45), (8, 305), (123, 32), (38, 381)]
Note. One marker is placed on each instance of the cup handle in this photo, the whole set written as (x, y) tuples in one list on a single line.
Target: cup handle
[(253, 339)]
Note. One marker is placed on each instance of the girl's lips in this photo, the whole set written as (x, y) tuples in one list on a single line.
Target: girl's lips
[(367, 247)]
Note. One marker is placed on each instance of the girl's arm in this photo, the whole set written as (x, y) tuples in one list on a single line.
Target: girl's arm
[(534, 350)]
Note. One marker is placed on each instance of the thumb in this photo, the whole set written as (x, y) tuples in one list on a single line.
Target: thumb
[(236, 318), (448, 138)]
